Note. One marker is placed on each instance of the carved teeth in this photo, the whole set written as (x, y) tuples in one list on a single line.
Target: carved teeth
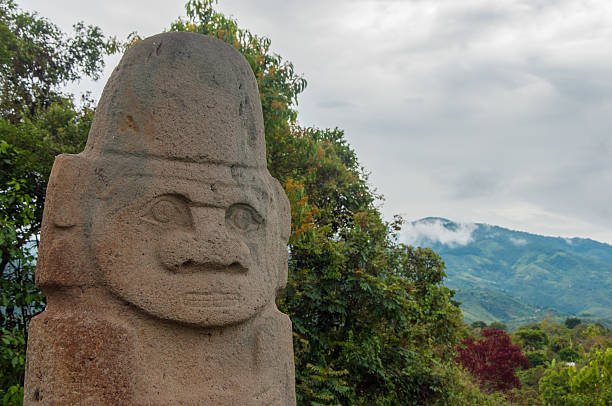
[(193, 267), (214, 299)]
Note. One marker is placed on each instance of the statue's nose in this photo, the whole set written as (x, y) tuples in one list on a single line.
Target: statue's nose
[(207, 246)]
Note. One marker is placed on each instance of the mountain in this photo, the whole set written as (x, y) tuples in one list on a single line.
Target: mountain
[(513, 276)]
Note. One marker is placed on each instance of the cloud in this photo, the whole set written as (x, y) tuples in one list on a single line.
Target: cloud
[(518, 241), (438, 231)]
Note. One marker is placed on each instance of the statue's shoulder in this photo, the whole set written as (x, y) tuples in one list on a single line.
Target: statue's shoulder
[(274, 358), (75, 360)]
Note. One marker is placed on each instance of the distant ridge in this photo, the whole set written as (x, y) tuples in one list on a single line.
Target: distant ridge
[(532, 275)]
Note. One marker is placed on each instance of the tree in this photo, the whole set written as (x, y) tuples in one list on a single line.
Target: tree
[(572, 322), (557, 343), (532, 340), (493, 360), (536, 358), (36, 58), (37, 122), (569, 355)]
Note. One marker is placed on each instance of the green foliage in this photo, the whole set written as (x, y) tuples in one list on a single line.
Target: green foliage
[(536, 358), (19, 298), (529, 381), (569, 354), (592, 330), (532, 339), (13, 396), (551, 366), (371, 323), (462, 390), (590, 385), (12, 358), (559, 342), (36, 58)]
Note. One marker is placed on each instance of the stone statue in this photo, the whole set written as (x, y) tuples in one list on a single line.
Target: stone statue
[(164, 243)]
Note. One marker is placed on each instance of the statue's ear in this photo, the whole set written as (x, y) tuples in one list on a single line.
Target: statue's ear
[(284, 211), (284, 230), (62, 257), (65, 191)]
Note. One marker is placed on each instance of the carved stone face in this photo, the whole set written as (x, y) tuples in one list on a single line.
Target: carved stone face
[(203, 252)]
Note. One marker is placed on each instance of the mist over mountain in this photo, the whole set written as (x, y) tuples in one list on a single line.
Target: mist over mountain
[(515, 277)]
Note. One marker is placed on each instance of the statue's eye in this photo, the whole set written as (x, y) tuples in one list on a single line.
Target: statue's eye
[(170, 210), (243, 217)]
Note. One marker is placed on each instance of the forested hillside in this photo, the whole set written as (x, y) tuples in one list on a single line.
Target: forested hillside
[(515, 277)]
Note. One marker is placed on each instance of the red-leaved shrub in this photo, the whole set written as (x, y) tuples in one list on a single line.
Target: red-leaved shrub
[(492, 360)]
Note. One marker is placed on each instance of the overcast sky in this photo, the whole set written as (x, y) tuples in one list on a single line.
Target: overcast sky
[(478, 111)]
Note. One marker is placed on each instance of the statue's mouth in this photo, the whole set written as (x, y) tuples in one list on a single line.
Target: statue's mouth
[(190, 267), (211, 299)]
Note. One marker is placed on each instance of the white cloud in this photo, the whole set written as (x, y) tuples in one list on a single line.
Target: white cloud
[(435, 231), (518, 241)]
